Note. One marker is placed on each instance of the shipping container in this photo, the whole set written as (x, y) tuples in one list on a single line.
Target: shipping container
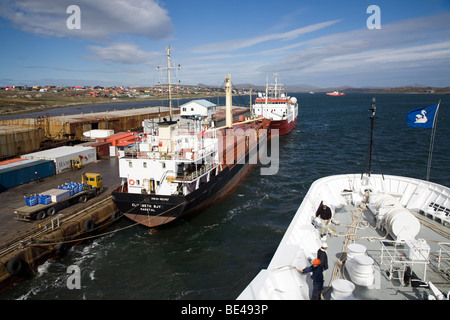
[(62, 156), (16, 173), (102, 148), (11, 161)]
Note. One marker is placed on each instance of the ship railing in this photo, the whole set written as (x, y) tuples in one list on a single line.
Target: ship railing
[(182, 154), (444, 256), (394, 260), (191, 176)]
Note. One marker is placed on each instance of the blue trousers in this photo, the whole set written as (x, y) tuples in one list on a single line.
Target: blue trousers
[(317, 290)]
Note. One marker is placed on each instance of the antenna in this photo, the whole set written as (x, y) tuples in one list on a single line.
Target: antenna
[(276, 85), (169, 68), (372, 118)]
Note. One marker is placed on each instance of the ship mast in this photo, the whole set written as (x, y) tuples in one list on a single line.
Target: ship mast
[(372, 118), (276, 85), (267, 88), (370, 151), (228, 102), (169, 68)]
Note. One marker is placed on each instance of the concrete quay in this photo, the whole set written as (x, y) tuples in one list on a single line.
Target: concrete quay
[(25, 245)]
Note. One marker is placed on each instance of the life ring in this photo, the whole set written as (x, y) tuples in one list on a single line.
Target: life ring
[(170, 179), (16, 266), (131, 182), (89, 225), (115, 215)]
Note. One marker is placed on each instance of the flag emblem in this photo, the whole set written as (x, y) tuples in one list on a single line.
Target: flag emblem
[(422, 117)]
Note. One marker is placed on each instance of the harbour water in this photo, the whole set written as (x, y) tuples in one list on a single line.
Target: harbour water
[(214, 254)]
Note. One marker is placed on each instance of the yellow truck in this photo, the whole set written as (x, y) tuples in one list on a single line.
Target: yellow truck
[(51, 201)]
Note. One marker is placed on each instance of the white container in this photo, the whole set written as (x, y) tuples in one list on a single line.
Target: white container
[(57, 194), (342, 289), (62, 156), (417, 250), (112, 151)]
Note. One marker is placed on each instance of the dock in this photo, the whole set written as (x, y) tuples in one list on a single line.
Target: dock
[(38, 240), (18, 136), (26, 245)]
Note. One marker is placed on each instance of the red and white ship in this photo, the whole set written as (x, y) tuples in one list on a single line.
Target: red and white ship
[(335, 94), (276, 106)]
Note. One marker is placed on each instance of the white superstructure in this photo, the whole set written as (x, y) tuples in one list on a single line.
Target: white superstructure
[(274, 104), (372, 259), (389, 238), (167, 151)]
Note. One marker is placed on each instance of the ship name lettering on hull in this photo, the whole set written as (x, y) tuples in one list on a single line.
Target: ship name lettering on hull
[(147, 207)]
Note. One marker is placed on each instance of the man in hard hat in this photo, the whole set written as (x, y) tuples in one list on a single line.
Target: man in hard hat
[(322, 255), (317, 277)]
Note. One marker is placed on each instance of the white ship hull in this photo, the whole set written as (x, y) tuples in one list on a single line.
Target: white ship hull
[(387, 237)]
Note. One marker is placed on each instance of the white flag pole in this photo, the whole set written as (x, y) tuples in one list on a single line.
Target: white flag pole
[(433, 132)]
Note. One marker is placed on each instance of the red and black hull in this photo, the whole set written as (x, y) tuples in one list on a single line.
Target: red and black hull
[(154, 210)]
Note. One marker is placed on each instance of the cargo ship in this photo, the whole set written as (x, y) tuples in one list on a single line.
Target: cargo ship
[(276, 106), (181, 167)]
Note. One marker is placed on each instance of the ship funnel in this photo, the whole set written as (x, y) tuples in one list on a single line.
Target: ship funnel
[(228, 102)]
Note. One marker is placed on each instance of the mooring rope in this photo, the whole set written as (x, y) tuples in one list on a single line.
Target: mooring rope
[(61, 240)]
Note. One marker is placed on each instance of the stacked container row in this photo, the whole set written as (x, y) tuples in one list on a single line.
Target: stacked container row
[(19, 172)]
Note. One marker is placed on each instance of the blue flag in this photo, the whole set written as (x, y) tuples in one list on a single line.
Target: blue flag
[(422, 117)]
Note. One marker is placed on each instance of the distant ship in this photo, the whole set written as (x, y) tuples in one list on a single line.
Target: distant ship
[(181, 167), (335, 93), (276, 106)]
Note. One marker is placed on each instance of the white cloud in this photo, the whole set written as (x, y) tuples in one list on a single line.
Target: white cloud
[(403, 52), (406, 46), (95, 71), (100, 19), (237, 44), (126, 53)]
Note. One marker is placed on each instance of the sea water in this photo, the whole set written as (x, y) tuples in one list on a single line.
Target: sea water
[(216, 253)]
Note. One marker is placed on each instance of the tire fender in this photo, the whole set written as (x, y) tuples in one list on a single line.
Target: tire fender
[(16, 266), (61, 249), (89, 225)]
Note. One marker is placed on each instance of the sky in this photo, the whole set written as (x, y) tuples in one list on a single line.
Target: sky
[(319, 43)]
